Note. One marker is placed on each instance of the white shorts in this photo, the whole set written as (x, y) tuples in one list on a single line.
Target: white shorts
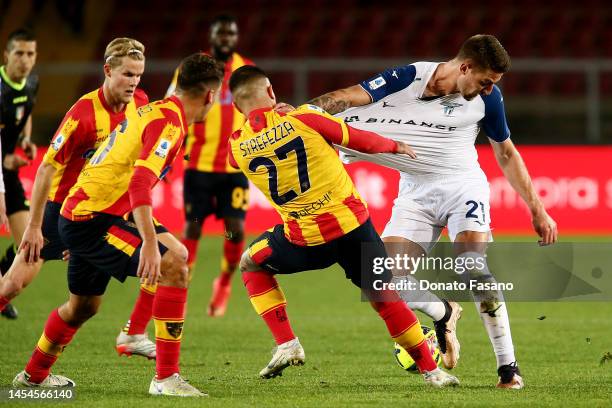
[(426, 204)]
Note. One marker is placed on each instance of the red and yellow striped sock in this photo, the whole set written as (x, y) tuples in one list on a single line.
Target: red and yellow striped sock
[(169, 315), (142, 312), (269, 302), (405, 329), (56, 336)]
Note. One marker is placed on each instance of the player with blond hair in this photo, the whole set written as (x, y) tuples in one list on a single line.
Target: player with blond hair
[(118, 179), (83, 129)]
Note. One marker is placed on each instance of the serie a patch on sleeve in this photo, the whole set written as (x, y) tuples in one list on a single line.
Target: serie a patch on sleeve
[(376, 83), (163, 148)]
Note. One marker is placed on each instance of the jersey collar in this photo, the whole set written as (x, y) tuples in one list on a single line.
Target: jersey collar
[(179, 104), (257, 119), (16, 86), (103, 101)]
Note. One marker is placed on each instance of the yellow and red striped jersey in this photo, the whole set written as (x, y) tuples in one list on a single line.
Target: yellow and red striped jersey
[(206, 147), (87, 124), (148, 143), (297, 169)]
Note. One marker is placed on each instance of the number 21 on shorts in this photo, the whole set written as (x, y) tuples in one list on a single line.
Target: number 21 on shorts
[(477, 211)]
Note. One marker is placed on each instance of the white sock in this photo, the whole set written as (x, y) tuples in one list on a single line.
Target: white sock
[(498, 329), (421, 300), (493, 313)]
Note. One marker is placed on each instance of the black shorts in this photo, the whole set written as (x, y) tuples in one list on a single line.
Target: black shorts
[(224, 194), (354, 252), (105, 246), (14, 194), (54, 246)]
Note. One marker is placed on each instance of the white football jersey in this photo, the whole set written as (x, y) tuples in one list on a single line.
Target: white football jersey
[(440, 130)]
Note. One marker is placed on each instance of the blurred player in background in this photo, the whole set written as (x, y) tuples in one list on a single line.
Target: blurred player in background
[(119, 178), (438, 108), (86, 125), (211, 185), (289, 157), (3, 218), (18, 89)]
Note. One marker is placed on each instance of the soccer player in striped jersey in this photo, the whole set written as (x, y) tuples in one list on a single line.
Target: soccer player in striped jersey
[(211, 185), (289, 157), (84, 127), (118, 179), (439, 108)]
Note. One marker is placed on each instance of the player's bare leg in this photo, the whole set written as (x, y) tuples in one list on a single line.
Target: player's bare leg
[(19, 275), (133, 339), (492, 310), (17, 224), (269, 302), (169, 315), (444, 313), (62, 324), (233, 246)]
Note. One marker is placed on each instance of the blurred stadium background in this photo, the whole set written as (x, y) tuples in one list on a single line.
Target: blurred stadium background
[(558, 94)]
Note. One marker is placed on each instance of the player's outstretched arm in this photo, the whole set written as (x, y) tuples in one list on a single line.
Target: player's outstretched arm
[(33, 241), (335, 131), (514, 169), (342, 99)]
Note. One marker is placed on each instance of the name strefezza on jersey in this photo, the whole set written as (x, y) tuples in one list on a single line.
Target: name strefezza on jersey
[(267, 138)]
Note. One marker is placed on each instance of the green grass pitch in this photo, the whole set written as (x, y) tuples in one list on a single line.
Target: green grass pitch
[(349, 355)]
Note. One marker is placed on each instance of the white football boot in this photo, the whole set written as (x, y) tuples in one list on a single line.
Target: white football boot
[(284, 355), (22, 380), (446, 332), (137, 344), (175, 386), (439, 378)]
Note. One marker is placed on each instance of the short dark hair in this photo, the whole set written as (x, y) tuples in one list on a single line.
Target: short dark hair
[(486, 52), (223, 19), (244, 75), (199, 72), (21, 34)]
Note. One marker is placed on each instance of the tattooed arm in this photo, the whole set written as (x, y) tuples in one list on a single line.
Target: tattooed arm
[(342, 99)]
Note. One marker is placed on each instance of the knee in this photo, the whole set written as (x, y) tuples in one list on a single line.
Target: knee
[(174, 269), (246, 263), (234, 235), (182, 253), (78, 313), (234, 230), (472, 264), (11, 287)]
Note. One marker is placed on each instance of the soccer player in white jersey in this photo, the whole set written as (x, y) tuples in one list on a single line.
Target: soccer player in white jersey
[(438, 109)]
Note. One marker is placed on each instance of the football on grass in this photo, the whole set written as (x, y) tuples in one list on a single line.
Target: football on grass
[(407, 363)]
